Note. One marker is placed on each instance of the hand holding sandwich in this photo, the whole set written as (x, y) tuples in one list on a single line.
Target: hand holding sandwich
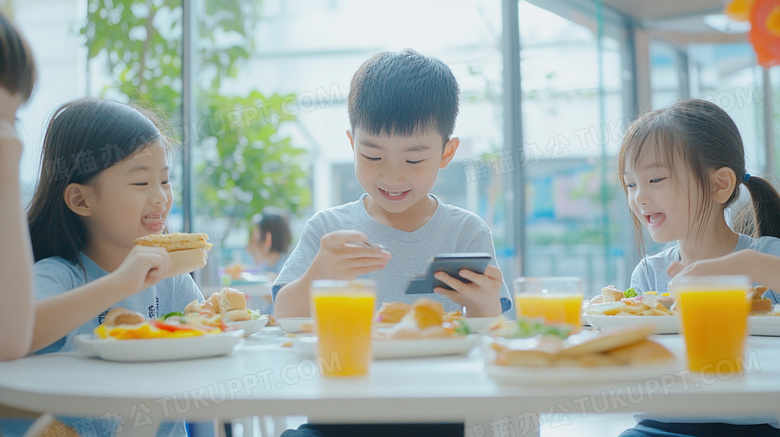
[(145, 265)]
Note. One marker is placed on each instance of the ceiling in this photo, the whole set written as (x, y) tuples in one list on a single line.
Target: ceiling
[(663, 9)]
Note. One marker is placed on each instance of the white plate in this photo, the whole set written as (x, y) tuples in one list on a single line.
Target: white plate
[(764, 325), (294, 325), (479, 324), (662, 324), (249, 326), (580, 375), (415, 348), (159, 349)]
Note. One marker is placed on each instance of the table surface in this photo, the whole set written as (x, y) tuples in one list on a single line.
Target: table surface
[(264, 378)]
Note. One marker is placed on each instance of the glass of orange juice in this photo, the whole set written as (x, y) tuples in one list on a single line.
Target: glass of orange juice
[(343, 311), (557, 299), (713, 313)]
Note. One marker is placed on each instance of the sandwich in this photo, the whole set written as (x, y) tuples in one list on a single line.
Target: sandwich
[(758, 303), (187, 251), (620, 347)]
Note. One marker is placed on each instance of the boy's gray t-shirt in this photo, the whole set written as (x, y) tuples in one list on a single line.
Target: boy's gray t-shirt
[(449, 230), (650, 274)]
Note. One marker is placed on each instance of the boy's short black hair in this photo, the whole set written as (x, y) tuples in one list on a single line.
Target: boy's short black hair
[(401, 93)]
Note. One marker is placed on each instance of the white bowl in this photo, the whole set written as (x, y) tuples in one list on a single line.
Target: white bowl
[(294, 325), (250, 327)]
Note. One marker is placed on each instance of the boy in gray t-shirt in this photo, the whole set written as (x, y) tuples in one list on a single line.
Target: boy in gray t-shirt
[(402, 110)]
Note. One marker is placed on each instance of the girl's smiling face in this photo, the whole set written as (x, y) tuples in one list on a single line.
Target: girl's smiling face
[(662, 195), (130, 199)]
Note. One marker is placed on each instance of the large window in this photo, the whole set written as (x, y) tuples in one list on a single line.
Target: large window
[(307, 52), (268, 82), (574, 113), (62, 71)]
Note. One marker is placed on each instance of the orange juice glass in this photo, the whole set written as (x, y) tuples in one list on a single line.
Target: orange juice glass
[(713, 312), (556, 299), (343, 311)]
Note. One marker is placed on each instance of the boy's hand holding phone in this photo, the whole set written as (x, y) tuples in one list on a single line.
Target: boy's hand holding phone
[(346, 255), (481, 296)]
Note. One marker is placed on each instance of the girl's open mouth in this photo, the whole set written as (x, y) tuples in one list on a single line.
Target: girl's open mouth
[(153, 222), (655, 219)]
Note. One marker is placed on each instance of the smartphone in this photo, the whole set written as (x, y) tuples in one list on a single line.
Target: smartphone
[(450, 263)]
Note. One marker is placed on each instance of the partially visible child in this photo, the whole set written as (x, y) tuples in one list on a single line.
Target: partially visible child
[(17, 77), (402, 109), (104, 182), (270, 240), (681, 167)]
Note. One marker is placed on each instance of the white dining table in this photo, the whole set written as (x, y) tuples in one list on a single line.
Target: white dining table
[(263, 377)]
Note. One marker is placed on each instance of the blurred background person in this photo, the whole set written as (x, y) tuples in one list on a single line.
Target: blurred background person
[(270, 241)]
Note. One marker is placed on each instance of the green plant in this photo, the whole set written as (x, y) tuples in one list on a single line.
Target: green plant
[(242, 168)]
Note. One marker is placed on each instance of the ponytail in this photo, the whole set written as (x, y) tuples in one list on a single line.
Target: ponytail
[(765, 209)]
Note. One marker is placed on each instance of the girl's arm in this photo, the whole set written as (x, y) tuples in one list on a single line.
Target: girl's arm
[(58, 315), (762, 268), (16, 312)]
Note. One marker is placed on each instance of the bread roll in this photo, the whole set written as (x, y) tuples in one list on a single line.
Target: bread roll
[(427, 313), (392, 312), (231, 299), (611, 294), (123, 316), (193, 307), (212, 304)]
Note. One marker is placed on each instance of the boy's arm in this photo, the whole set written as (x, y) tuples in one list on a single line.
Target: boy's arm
[(16, 259), (62, 313), (763, 268), (337, 258)]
